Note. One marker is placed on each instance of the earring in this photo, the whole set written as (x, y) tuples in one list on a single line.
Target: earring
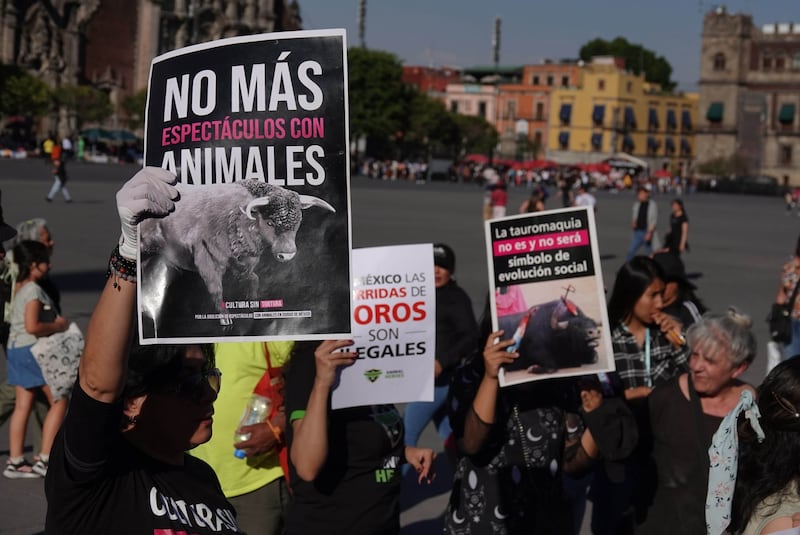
[(133, 420)]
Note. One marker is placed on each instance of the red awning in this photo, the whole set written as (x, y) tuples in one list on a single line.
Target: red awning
[(476, 158), (597, 167)]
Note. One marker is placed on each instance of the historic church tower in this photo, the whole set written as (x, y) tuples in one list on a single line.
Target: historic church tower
[(109, 43)]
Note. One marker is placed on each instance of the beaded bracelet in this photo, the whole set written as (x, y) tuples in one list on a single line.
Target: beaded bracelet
[(121, 268)]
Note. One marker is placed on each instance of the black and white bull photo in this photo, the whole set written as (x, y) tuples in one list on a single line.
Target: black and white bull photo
[(220, 232), (554, 335)]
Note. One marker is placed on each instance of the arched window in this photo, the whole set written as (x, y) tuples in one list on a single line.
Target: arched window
[(719, 61)]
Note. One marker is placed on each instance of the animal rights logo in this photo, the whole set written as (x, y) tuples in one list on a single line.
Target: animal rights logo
[(372, 375)]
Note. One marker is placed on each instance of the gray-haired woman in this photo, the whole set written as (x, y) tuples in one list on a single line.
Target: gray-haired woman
[(685, 413)]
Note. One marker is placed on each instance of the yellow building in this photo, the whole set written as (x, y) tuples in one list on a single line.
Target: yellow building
[(612, 110)]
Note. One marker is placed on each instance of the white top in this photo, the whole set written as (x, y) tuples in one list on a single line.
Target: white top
[(585, 199), (18, 336)]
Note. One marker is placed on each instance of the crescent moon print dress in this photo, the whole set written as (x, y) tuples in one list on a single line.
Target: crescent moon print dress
[(513, 485)]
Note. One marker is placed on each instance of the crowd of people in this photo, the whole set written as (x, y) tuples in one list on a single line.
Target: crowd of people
[(132, 449)]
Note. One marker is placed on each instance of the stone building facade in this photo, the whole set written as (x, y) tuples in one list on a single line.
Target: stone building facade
[(750, 94), (109, 43)]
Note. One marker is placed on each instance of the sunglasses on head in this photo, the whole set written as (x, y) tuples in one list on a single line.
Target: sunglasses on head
[(194, 385)]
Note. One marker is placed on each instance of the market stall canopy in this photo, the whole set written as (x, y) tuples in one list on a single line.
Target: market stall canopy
[(93, 135), (123, 135), (97, 134), (622, 159)]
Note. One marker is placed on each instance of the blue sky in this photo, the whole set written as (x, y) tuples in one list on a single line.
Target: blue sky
[(459, 32)]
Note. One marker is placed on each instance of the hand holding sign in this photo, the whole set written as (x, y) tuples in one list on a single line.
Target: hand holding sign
[(328, 358)]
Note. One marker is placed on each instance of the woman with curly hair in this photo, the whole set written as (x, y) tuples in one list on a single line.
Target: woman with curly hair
[(768, 485)]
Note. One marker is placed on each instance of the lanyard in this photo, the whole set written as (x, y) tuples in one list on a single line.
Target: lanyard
[(648, 379)]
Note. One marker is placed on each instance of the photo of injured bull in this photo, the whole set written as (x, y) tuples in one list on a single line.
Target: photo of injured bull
[(547, 294), (557, 336), (242, 260)]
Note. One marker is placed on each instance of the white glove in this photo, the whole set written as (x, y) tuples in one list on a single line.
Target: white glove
[(149, 193)]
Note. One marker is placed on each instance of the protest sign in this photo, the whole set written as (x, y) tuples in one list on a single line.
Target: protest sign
[(547, 292), (258, 247), (394, 327)]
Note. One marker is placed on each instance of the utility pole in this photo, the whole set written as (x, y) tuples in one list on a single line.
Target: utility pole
[(496, 61), (496, 44), (362, 22)]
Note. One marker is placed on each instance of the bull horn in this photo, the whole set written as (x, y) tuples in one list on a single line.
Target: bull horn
[(555, 324), (255, 203), (307, 201)]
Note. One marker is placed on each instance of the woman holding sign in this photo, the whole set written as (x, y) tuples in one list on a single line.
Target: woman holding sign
[(345, 463), (119, 462), (519, 441)]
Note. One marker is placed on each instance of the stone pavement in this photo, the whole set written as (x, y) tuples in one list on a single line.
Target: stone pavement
[(738, 246)]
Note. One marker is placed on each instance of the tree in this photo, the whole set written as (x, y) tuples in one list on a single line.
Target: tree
[(22, 94), (90, 105), (430, 128), (477, 134), (133, 105), (637, 59), (378, 98)]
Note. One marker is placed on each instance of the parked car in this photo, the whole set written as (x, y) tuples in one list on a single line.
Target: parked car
[(751, 184)]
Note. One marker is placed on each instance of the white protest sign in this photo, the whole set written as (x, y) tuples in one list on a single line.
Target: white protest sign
[(394, 327)]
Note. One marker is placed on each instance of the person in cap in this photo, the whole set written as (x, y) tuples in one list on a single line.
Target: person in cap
[(679, 298), (643, 223), (456, 336)]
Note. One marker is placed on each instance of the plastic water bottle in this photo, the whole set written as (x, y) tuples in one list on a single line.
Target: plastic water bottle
[(256, 411)]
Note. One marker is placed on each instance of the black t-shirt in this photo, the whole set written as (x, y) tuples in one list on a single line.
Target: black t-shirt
[(98, 483), (357, 489), (641, 216), (456, 329), (681, 460)]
